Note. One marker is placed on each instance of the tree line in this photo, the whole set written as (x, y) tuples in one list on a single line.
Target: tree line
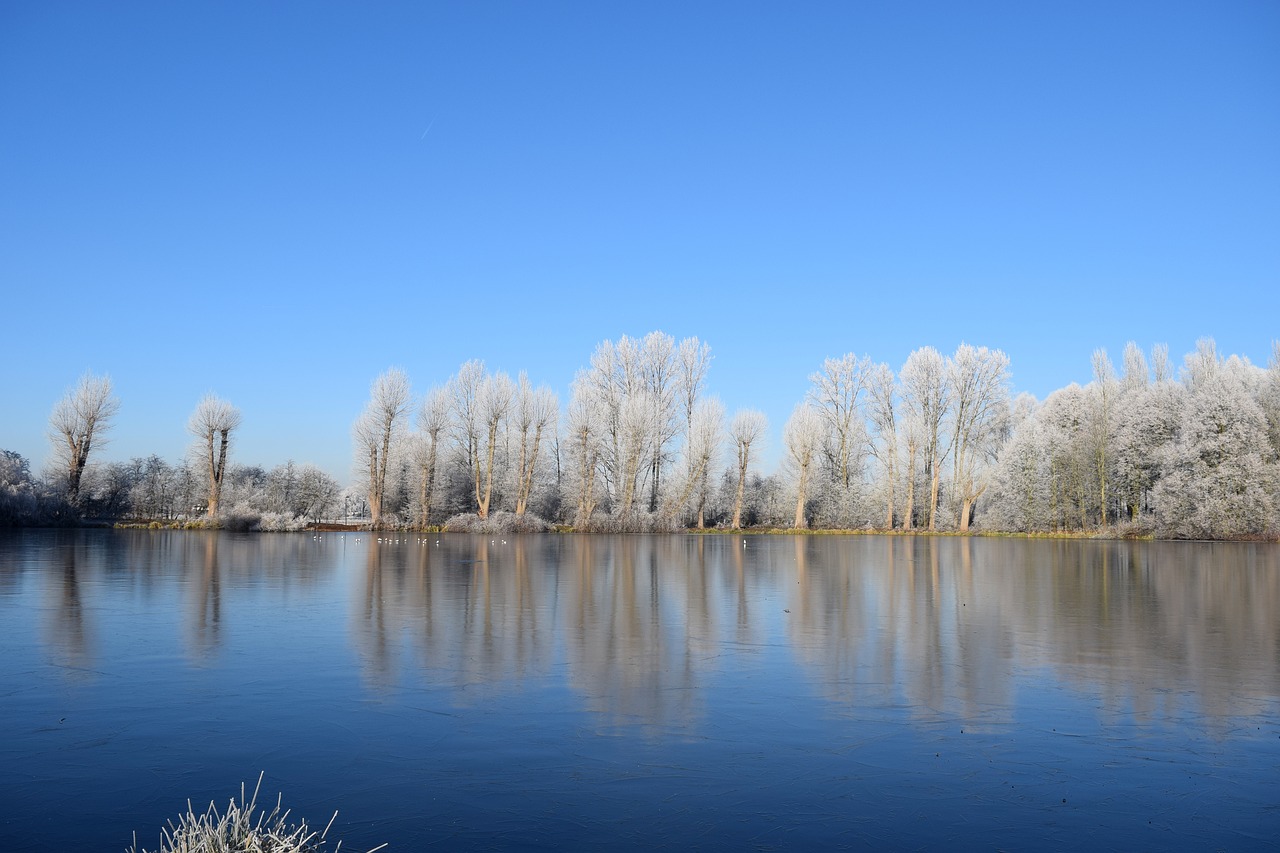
[(940, 444)]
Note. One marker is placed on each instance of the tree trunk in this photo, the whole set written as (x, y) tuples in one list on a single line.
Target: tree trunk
[(888, 513), (933, 496), (800, 522), (908, 514)]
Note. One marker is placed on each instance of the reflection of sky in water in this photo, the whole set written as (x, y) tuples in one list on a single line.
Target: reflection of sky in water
[(638, 691)]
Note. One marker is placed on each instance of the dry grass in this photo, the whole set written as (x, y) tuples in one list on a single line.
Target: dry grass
[(238, 830)]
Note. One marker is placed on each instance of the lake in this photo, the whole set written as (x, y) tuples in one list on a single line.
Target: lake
[(638, 692)]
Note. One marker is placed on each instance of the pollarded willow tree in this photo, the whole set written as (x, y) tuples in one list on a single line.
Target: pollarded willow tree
[(377, 432), (212, 423), (79, 420)]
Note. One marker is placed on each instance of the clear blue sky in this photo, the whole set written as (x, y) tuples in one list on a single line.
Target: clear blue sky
[(277, 201)]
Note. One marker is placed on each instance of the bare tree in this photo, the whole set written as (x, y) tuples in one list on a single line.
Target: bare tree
[(614, 376), (660, 374), (1102, 419), (926, 400), (1135, 367), (492, 405), (835, 393), (978, 378), (703, 445), (433, 419), (585, 442), (212, 423), (1202, 366), (1271, 398), (78, 419), (376, 432), (747, 429), (803, 438), (1161, 366), (535, 414), (317, 492), (463, 392), (882, 393), (633, 440), (693, 360)]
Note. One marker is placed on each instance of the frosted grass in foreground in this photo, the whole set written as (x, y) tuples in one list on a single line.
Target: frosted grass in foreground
[(236, 831)]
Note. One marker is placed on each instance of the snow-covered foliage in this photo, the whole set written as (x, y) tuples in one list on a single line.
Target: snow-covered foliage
[(1193, 458)]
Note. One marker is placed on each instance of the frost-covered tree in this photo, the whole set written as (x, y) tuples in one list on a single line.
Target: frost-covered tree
[(292, 492), (433, 422), (1161, 366), (1102, 393), (747, 430), (79, 420), (1219, 477), (835, 394), (979, 381), (1201, 367), (282, 488), (534, 420), (585, 425), (212, 423), (616, 376), (692, 362), (1271, 399), (632, 442), (1064, 419), (377, 432), (660, 377), (317, 493), (1147, 420), (1136, 372), (803, 437), (19, 502), (1020, 491), (702, 447), (882, 396), (660, 373), (926, 400), (481, 404)]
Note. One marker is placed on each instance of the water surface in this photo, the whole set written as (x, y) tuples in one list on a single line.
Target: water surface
[(640, 692)]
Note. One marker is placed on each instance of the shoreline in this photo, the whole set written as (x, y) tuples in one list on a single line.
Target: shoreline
[(1108, 534)]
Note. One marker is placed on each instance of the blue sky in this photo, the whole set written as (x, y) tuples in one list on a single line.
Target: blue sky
[(278, 201)]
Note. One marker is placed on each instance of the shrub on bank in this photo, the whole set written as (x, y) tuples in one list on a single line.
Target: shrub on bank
[(497, 522), (635, 522)]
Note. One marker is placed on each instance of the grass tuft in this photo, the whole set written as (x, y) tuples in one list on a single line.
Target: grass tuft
[(238, 830)]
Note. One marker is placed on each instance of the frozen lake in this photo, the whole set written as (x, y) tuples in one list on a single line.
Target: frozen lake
[(641, 692)]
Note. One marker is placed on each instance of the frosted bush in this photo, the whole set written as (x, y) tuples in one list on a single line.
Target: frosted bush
[(497, 522), (280, 522)]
